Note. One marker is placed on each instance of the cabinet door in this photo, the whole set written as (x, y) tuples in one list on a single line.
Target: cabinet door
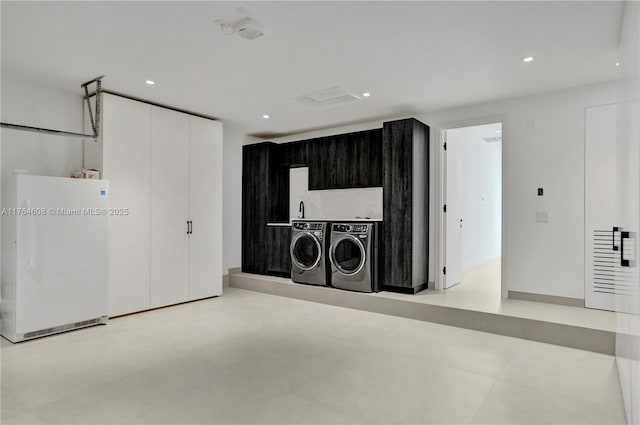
[(169, 206), (126, 164), (324, 164), (346, 161), (398, 203), (278, 256), (205, 208), (255, 205)]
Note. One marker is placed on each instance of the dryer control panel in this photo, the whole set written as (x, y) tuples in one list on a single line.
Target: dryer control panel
[(350, 228)]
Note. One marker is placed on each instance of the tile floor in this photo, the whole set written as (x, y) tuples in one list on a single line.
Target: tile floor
[(479, 290), (248, 357)]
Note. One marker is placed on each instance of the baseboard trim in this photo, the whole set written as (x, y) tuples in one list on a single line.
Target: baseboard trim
[(549, 299), (225, 281), (403, 290)]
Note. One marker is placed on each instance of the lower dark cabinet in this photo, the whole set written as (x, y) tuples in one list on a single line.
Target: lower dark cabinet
[(278, 256)]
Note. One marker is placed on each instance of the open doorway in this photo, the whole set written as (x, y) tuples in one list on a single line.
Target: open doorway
[(472, 176)]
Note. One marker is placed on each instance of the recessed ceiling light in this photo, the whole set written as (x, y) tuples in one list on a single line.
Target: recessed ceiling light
[(617, 63), (266, 117), (366, 94), (528, 59), (150, 82)]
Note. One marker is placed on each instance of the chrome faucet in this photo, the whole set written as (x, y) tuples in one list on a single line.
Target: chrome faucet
[(301, 210)]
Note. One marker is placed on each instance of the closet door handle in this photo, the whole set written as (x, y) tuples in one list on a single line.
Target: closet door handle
[(623, 262), (191, 228), (188, 227), (613, 238)]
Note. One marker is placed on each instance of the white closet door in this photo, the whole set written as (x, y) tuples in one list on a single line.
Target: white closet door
[(126, 160), (169, 207), (610, 195), (205, 208)]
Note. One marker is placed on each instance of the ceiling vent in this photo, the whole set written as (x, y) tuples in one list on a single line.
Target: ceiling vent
[(328, 97), (493, 139)]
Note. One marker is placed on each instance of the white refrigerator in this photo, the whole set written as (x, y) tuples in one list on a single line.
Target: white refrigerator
[(54, 255)]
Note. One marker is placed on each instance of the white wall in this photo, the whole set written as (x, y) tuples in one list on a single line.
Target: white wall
[(482, 193), (332, 204), (34, 105), (543, 142)]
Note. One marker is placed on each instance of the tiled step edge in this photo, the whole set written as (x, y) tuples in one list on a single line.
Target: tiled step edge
[(596, 340)]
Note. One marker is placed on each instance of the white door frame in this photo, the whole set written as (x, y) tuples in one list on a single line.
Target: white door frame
[(439, 131)]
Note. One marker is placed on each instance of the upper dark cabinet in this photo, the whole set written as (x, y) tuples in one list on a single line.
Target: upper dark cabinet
[(346, 161), (295, 154)]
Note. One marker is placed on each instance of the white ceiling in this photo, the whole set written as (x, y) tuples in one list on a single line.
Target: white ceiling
[(412, 56)]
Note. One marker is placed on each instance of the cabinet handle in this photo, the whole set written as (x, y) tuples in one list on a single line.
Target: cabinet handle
[(188, 227), (623, 262), (613, 238), (191, 228)]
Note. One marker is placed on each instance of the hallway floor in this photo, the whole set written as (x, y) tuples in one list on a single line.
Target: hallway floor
[(248, 357), (480, 290)]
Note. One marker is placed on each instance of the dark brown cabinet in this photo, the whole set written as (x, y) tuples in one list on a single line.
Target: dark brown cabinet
[(346, 161), (395, 157), (296, 154), (265, 199), (278, 256), (406, 205), (257, 189)]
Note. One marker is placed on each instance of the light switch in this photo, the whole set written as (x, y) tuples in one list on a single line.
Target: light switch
[(542, 216)]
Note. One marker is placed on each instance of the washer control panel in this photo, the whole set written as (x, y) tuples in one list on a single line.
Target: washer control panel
[(307, 226)]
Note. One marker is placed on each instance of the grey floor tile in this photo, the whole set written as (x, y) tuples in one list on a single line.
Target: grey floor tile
[(576, 373), (512, 404), (252, 358)]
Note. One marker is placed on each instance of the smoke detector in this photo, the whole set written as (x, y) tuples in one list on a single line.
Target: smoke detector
[(245, 27)]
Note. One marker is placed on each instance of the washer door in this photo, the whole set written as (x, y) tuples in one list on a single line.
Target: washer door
[(348, 254), (306, 251)]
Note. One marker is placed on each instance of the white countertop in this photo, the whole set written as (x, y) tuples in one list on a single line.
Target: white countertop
[(332, 220)]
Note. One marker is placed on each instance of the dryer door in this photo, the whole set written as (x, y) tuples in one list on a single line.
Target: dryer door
[(348, 254), (306, 251)]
